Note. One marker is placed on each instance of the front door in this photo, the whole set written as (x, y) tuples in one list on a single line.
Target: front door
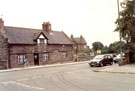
[(36, 59)]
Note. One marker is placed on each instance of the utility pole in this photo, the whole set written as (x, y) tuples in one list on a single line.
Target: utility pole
[(119, 29)]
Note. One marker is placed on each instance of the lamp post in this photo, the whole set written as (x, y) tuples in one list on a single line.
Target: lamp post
[(119, 28)]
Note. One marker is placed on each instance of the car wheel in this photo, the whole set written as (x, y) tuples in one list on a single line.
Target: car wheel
[(115, 61), (101, 65), (91, 65)]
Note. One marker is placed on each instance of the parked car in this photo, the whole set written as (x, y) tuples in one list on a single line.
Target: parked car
[(118, 58), (101, 60)]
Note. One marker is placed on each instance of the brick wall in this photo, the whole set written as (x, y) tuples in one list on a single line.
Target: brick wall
[(85, 58), (54, 52), (3, 52)]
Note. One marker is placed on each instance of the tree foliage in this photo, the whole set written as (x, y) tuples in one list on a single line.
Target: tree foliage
[(105, 50), (116, 47), (97, 46), (126, 23)]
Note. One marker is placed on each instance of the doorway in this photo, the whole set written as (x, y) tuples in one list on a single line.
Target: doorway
[(36, 59)]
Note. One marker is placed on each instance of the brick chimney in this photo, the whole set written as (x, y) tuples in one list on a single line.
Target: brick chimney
[(46, 26), (72, 38), (81, 38), (1, 26)]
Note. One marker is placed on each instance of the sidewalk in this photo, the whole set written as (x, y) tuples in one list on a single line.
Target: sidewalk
[(42, 66), (115, 68)]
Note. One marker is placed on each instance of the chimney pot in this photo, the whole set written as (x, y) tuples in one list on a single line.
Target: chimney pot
[(81, 39), (1, 25), (46, 26)]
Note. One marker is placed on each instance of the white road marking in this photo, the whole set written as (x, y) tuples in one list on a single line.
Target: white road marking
[(28, 86), (23, 85), (25, 79), (7, 82)]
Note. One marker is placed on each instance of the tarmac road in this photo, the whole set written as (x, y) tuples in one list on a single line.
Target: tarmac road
[(72, 77)]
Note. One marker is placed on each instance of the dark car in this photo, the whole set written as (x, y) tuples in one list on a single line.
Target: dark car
[(101, 60)]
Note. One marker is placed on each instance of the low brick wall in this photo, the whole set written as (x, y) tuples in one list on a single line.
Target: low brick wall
[(85, 58), (124, 62)]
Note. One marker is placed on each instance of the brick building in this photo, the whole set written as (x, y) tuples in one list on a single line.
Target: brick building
[(80, 44), (38, 46)]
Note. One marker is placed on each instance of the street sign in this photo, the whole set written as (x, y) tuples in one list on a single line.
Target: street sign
[(98, 51)]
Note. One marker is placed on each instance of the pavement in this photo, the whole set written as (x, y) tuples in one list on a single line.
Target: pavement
[(115, 68), (41, 66)]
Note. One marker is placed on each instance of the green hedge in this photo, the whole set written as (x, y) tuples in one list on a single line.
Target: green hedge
[(82, 54)]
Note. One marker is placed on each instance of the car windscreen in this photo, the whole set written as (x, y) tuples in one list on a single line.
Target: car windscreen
[(99, 57)]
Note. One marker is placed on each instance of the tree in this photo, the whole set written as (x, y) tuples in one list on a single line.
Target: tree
[(105, 50), (126, 23), (97, 46), (116, 47)]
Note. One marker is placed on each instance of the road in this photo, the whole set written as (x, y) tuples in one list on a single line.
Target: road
[(75, 77)]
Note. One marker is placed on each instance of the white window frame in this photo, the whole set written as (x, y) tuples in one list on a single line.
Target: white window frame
[(41, 37), (20, 58), (63, 54), (45, 56), (42, 41)]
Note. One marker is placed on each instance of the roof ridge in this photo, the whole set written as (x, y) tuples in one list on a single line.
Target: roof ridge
[(21, 27), (54, 31)]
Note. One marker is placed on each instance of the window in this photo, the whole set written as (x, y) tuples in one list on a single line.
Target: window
[(109, 56), (45, 56), (85, 46), (64, 54), (20, 58), (42, 41), (105, 56), (63, 45)]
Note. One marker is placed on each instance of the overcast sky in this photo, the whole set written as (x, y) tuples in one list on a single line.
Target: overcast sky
[(93, 19)]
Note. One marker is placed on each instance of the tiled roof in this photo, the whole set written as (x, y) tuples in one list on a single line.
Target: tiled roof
[(17, 35), (78, 40)]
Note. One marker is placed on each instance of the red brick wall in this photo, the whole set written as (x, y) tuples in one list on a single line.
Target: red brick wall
[(53, 50), (86, 58), (3, 52)]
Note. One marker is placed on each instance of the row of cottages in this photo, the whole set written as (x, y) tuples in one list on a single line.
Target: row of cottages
[(80, 44), (38, 46)]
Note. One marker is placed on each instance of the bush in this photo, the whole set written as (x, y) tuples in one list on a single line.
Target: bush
[(82, 54)]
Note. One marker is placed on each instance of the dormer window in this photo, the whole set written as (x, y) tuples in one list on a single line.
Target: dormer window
[(41, 39)]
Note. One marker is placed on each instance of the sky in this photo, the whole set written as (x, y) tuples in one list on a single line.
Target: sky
[(93, 19)]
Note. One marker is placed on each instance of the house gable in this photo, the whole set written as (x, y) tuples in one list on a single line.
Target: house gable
[(40, 35), (42, 38)]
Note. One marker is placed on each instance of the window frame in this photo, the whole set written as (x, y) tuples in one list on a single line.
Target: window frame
[(64, 54), (42, 41), (20, 58), (45, 56)]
